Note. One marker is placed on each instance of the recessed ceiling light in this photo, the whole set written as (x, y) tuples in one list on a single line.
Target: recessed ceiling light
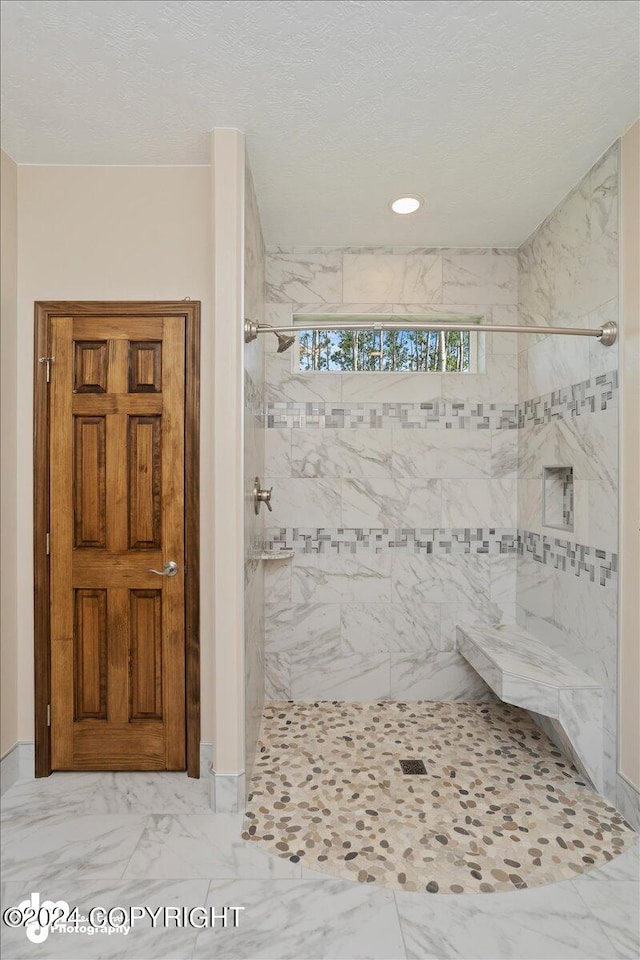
[(406, 204)]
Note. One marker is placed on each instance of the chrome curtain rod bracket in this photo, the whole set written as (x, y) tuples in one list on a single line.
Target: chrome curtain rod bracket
[(607, 334), (250, 331)]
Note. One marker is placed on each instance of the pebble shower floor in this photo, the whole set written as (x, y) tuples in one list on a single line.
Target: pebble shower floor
[(500, 808)]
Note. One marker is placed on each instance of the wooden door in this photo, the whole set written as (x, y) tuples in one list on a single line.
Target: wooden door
[(116, 495)]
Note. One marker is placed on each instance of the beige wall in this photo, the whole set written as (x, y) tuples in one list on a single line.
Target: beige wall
[(629, 706), (227, 218), (109, 233), (8, 445), (254, 466)]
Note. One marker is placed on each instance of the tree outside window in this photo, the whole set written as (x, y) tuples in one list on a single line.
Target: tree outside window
[(443, 351)]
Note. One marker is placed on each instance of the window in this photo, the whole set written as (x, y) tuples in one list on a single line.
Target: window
[(444, 351)]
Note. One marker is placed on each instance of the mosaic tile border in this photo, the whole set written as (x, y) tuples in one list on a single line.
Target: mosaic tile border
[(598, 566), (436, 541), (588, 396), (436, 414), (567, 497)]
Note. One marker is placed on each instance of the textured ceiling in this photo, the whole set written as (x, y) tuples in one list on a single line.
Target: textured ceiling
[(489, 110)]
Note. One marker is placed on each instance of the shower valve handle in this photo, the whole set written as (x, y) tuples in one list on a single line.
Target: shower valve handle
[(260, 495)]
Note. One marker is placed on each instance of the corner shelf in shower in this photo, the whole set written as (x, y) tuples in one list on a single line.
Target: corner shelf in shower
[(285, 554)]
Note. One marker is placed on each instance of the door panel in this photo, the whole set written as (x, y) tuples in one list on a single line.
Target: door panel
[(117, 509), (90, 655), (90, 366), (145, 367), (90, 503), (145, 686), (145, 481)]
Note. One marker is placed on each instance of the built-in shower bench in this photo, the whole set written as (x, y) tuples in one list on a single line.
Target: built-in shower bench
[(523, 671)]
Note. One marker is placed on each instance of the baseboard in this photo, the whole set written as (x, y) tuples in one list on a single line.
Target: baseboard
[(17, 764), (206, 757), (226, 791), (628, 801)]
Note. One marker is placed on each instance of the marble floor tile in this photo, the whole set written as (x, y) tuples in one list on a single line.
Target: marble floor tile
[(86, 838), (304, 919), (80, 846), (146, 793), (551, 923), (616, 906), (61, 793), (625, 867), (142, 940), (201, 846), (309, 874), (117, 793)]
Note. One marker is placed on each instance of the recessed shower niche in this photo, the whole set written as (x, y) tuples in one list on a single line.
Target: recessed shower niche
[(557, 497)]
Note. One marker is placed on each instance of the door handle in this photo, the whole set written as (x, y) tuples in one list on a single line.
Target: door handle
[(169, 570)]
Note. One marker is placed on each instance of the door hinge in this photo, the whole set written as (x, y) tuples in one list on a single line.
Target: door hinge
[(47, 543), (48, 714), (47, 361)]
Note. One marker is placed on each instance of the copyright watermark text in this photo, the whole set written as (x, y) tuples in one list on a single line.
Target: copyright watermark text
[(41, 917)]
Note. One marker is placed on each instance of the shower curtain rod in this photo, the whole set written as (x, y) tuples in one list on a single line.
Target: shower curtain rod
[(606, 334)]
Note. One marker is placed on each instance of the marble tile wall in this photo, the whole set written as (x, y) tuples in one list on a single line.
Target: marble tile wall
[(254, 447), (568, 414), (388, 486)]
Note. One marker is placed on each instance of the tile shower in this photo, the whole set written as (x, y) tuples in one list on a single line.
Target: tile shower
[(396, 491), (414, 501), (567, 584)]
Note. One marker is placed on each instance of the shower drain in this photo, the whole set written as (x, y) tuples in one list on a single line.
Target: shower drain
[(413, 767)]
